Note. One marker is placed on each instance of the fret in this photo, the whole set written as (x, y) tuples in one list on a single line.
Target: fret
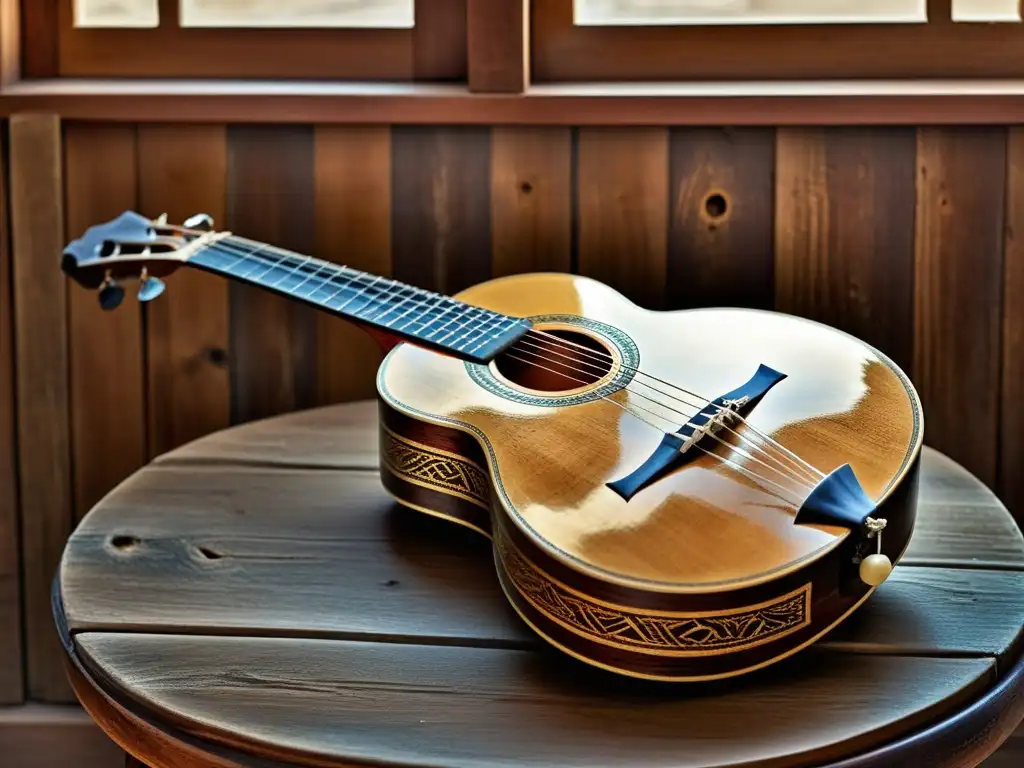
[(413, 314)]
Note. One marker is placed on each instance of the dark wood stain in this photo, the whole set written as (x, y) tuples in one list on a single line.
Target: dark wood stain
[(43, 400), (531, 200), (40, 24), (1011, 421), (720, 230), (622, 210), (270, 198), (182, 171), (108, 403), (440, 220), (353, 227), (844, 232), (958, 290), (439, 41), (11, 678), (497, 34)]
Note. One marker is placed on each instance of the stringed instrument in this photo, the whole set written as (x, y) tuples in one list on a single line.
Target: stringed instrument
[(680, 496)]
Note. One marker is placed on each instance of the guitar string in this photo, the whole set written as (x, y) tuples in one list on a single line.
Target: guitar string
[(249, 254), (799, 463), (244, 255), (603, 369)]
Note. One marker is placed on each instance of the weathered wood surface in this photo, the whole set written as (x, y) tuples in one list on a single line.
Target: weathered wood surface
[(42, 392), (258, 589)]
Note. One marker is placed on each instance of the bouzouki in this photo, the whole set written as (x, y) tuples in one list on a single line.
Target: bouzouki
[(680, 496)]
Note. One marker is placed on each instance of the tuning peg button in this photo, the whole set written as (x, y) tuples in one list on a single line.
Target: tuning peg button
[(150, 288), (201, 221), (111, 294)]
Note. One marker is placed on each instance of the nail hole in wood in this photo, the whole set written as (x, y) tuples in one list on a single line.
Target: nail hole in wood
[(391, 583), (715, 205), (124, 542), (217, 356), (209, 554), (526, 187)]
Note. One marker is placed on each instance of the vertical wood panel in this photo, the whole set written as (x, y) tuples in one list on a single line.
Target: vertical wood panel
[(183, 171), (108, 412), (440, 223), (273, 339), (498, 43), (959, 247), (720, 239), (623, 176), (41, 344), (40, 26), (439, 41), (353, 227), (531, 200), (1011, 454), (844, 234), (11, 679)]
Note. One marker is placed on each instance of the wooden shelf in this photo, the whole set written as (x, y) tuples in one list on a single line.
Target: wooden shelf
[(706, 103)]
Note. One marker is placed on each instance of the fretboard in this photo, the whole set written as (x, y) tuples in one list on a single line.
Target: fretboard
[(412, 314)]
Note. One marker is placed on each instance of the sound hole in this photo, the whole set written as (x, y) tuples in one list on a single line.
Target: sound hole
[(555, 361)]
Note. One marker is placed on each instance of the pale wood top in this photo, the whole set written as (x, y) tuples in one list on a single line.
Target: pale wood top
[(264, 593)]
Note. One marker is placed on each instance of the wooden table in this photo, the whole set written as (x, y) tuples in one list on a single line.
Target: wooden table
[(256, 599)]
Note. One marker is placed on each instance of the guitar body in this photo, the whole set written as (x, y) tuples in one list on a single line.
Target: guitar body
[(691, 571)]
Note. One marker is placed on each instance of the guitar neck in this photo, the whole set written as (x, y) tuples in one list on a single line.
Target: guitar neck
[(395, 309)]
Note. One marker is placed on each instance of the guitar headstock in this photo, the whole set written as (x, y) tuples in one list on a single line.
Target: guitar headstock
[(133, 246)]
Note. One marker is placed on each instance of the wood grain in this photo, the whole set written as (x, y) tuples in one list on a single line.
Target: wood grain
[(499, 45), (337, 437), (623, 205), (271, 199), (41, 343), (440, 220), (844, 232), (1011, 413), (11, 678), (387, 574), (353, 227), (439, 42), (108, 404), (40, 22), (290, 699), (961, 522), (182, 171), (531, 200), (720, 231), (958, 300), (53, 736)]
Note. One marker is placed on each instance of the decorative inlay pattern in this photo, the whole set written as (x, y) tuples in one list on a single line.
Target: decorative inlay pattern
[(649, 632), (434, 469)]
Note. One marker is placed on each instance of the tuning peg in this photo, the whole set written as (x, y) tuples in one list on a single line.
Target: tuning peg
[(200, 221), (150, 287), (110, 294)]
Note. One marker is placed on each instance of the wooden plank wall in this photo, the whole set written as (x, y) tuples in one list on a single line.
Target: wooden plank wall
[(903, 237)]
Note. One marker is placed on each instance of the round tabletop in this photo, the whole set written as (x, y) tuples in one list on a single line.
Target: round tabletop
[(255, 598)]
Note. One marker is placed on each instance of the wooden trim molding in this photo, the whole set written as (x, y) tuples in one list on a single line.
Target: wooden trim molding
[(499, 45), (51, 46), (563, 51), (948, 102)]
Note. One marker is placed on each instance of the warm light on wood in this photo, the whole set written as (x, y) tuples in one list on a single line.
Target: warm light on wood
[(249, 13), (622, 12), (117, 13), (986, 10), (297, 13)]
